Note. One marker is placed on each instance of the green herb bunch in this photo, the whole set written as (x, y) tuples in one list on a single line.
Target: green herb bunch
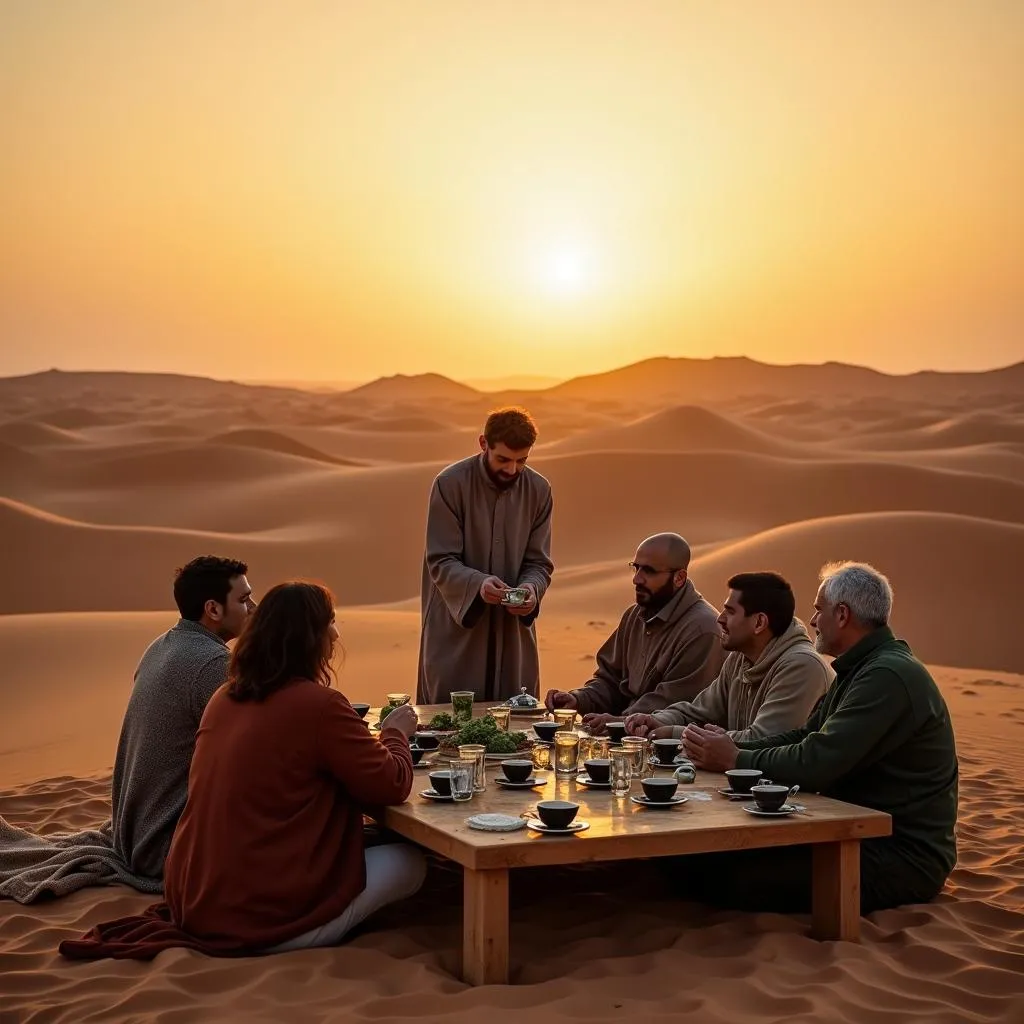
[(485, 731)]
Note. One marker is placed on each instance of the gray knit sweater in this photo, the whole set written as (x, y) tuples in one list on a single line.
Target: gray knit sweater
[(175, 680)]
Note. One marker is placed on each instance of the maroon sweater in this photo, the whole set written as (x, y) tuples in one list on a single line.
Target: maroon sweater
[(270, 843)]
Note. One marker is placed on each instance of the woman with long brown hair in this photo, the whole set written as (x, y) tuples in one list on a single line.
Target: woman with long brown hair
[(269, 853)]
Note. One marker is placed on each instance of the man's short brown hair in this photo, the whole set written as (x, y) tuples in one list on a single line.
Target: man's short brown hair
[(512, 427)]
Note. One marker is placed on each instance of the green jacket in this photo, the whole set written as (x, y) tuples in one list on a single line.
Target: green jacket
[(881, 738)]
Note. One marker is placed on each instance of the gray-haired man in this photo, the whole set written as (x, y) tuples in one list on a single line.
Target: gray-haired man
[(881, 738)]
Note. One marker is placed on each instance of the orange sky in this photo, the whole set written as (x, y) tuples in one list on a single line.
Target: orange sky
[(339, 190)]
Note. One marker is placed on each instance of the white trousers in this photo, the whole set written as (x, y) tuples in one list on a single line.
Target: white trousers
[(394, 872)]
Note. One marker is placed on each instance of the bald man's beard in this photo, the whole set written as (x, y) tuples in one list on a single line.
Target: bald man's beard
[(652, 601)]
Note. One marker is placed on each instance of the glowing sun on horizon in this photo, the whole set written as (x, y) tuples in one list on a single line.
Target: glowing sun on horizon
[(566, 270)]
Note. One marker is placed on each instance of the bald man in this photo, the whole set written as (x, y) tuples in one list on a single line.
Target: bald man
[(666, 648)]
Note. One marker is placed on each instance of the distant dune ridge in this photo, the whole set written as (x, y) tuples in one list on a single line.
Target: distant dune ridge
[(108, 481)]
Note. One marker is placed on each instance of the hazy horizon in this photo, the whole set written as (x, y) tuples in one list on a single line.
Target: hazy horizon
[(511, 382)]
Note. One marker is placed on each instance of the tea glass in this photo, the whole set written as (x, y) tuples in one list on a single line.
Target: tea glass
[(462, 705), (567, 753), (592, 747), (540, 755), (621, 771), (475, 754), (565, 717), (501, 717), (462, 773), (636, 747)]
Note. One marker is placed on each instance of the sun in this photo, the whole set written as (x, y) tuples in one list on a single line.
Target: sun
[(566, 270)]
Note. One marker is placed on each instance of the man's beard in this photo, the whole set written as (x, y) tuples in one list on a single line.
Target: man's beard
[(652, 601), (502, 482)]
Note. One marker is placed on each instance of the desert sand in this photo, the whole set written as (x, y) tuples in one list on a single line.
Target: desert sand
[(108, 481)]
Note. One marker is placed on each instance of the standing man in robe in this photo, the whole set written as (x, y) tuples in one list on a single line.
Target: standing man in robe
[(488, 530)]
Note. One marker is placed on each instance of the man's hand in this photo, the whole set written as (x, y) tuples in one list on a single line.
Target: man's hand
[(714, 751), (403, 719), (527, 607), (559, 699), (491, 590), (648, 726), (597, 724)]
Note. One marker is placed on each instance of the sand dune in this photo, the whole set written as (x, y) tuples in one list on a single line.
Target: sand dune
[(964, 431), (420, 387), (273, 441), (404, 425), (682, 428), (74, 417), (36, 434), (130, 567), (180, 464)]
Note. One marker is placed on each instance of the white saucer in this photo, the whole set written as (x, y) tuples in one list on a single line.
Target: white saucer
[(538, 826), (432, 794), (653, 762), (528, 784), (783, 812), (644, 802), (733, 794), (495, 822), (586, 780)]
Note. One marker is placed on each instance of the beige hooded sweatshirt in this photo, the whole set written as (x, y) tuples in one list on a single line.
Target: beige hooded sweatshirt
[(752, 701)]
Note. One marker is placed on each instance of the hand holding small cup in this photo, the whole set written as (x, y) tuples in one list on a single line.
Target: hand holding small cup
[(491, 590)]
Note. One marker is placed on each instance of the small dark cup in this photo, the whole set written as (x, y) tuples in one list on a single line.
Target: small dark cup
[(659, 790), (442, 782), (741, 780), (616, 730), (557, 813), (417, 754), (599, 768), (427, 741), (665, 750), (546, 730), (361, 709), (770, 797), (516, 770)]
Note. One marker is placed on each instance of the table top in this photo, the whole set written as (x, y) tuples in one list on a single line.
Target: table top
[(619, 828)]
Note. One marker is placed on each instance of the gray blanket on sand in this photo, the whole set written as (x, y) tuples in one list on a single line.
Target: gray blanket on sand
[(32, 866)]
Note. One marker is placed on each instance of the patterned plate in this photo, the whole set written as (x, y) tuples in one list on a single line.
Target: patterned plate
[(496, 822)]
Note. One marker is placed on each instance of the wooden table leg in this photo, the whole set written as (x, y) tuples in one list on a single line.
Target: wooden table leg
[(485, 926), (835, 900)]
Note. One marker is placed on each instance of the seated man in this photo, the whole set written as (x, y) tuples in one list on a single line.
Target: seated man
[(177, 676), (771, 678), (881, 738), (665, 649)]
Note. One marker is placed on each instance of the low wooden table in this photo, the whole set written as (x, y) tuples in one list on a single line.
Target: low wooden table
[(621, 830)]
